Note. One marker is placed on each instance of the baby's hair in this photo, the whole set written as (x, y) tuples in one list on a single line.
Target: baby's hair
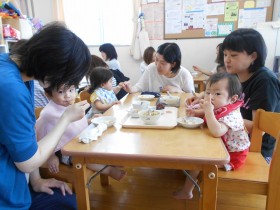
[(234, 85), (98, 76), (49, 90), (148, 55)]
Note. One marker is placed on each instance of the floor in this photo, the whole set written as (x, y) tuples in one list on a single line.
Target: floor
[(150, 189)]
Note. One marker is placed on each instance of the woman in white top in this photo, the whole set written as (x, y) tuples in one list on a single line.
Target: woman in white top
[(148, 57), (109, 54), (165, 74)]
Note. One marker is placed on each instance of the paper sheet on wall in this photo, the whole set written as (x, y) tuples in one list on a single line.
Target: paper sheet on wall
[(215, 9), (154, 16), (249, 4), (225, 28), (173, 4), (194, 5), (173, 27), (193, 20), (211, 27), (173, 22), (248, 18), (231, 11), (155, 30), (263, 3)]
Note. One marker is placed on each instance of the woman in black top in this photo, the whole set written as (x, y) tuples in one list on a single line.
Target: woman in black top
[(244, 54)]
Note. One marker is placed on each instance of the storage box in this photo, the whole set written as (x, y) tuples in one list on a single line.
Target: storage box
[(21, 25)]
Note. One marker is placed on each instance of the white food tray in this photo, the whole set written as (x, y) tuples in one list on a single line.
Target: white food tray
[(168, 120)]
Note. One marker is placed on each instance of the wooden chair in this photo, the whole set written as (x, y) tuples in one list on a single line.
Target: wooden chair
[(66, 173), (256, 176), (84, 95)]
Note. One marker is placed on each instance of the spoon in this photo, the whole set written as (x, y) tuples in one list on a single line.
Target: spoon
[(194, 94), (168, 93)]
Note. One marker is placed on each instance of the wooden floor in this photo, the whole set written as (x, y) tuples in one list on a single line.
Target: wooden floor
[(150, 189)]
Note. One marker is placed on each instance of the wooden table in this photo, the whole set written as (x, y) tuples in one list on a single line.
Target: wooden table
[(177, 148), (200, 80)]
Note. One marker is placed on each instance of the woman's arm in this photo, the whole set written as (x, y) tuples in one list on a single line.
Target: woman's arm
[(203, 71), (47, 144)]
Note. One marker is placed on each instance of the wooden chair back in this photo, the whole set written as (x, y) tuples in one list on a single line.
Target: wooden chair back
[(269, 122), (256, 177), (84, 95), (38, 111)]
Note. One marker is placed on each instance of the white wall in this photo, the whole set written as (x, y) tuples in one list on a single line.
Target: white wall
[(201, 52)]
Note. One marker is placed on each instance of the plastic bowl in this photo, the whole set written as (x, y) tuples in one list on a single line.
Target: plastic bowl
[(149, 116), (108, 120), (140, 105), (170, 100), (190, 122)]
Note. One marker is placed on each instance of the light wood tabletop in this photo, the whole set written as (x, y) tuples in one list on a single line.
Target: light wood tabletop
[(177, 148)]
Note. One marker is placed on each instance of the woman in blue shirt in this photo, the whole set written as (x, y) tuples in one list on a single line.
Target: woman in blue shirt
[(49, 58)]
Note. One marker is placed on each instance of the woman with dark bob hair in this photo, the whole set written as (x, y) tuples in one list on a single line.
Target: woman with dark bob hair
[(109, 54), (53, 56), (244, 54), (165, 74)]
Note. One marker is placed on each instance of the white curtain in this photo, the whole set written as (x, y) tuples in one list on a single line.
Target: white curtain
[(135, 48), (58, 10)]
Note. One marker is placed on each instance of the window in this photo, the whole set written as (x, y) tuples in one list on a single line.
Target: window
[(100, 21)]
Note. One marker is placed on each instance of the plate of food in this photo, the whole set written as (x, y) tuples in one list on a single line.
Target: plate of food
[(146, 97), (190, 122), (108, 120)]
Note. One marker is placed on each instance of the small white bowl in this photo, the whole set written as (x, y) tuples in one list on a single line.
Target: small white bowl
[(146, 97), (108, 120), (190, 122), (140, 105), (149, 116), (170, 100)]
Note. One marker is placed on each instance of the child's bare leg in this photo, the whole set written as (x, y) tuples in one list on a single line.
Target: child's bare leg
[(111, 171), (186, 191)]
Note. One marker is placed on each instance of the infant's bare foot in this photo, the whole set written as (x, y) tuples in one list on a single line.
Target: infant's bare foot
[(117, 174), (181, 194)]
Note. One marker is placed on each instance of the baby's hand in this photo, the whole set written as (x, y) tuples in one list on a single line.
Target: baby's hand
[(97, 115), (76, 111), (53, 164), (206, 104), (116, 102)]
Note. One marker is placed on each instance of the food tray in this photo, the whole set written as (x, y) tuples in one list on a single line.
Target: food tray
[(168, 120)]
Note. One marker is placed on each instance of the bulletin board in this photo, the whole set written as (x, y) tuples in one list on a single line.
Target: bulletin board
[(212, 18)]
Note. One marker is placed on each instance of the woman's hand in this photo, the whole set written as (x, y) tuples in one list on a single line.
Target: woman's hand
[(46, 185), (193, 100), (171, 89), (126, 86)]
